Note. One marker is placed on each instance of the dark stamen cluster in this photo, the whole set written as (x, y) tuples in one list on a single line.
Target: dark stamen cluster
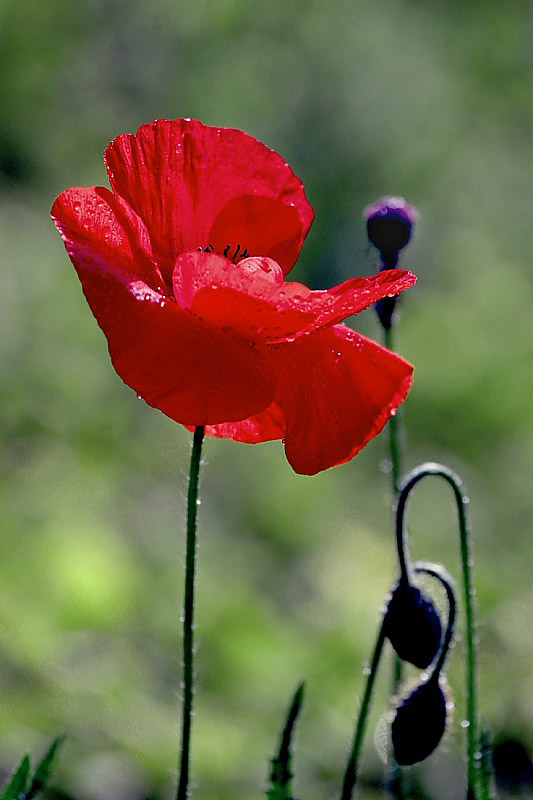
[(237, 255)]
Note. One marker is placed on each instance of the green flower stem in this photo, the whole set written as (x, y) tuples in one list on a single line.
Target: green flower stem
[(188, 615), (467, 562), (394, 439), (352, 767), (396, 779)]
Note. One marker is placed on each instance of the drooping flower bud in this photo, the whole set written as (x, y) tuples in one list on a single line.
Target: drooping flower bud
[(412, 625), (419, 723)]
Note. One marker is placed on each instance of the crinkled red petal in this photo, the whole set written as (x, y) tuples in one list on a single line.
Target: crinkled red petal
[(251, 299), (327, 307), (179, 176), (195, 270), (190, 370), (263, 427), (94, 227), (228, 295), (335, 391), (261, 226)]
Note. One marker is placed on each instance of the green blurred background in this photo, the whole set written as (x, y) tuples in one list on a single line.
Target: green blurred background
[(432, 101)]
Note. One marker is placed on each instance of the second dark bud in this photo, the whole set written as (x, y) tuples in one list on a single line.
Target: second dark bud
[(419, 723)]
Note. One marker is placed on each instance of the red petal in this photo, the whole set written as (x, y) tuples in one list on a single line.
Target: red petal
[(228, 295), (179, 175), (251, 299), (96, 231), (261, 225), (330, 306), (195, 270), (337, 389), (262, 427), (190, 370)]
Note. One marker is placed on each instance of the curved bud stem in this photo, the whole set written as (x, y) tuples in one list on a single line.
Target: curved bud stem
[(467, 562), (437, 571)]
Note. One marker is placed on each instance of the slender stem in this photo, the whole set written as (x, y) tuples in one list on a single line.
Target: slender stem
[(188, 615), (396, 778), (352, 767), (394, 439), (467, 562)]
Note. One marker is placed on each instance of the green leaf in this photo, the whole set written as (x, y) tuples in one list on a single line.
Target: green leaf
[(280, 773), (19, 781), (43, 771)]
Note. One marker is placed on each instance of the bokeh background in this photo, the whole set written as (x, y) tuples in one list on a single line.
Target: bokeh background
[(432, 101)]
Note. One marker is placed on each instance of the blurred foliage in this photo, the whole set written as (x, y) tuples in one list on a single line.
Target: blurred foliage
[(433, 101)]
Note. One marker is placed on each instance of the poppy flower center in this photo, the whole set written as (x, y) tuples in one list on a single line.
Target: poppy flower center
[(234, 257)]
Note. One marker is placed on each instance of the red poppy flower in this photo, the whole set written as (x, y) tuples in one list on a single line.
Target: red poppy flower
[(183, 266)]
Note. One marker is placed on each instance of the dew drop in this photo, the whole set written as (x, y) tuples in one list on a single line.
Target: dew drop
[(465, 723), (139, 396), (366, 670)]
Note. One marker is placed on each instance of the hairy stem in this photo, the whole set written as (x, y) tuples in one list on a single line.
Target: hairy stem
[(395, 773), (394, 438), (352, 767), (188, 615)]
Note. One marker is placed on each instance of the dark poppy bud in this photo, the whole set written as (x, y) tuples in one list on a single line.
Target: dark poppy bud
[(389, 222), (419, 723), (412, 625)]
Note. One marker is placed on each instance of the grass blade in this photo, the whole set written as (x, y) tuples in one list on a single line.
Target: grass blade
[(18, 783), (280, 773), (44, 769)]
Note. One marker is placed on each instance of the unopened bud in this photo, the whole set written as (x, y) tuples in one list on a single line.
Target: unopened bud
[(412, 625), (389, 222), (419, 723)]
